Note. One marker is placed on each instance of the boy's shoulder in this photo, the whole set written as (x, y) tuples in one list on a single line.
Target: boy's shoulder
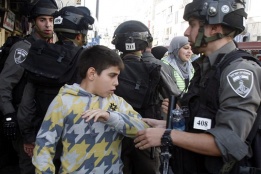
[(115, 102), (115, 98)]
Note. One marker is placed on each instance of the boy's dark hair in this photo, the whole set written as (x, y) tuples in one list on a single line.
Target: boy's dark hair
[(99, 57)]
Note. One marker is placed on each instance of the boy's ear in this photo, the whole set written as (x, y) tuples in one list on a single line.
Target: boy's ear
[(91, 73)]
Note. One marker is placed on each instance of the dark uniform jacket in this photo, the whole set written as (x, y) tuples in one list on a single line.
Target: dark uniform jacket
[(132, 156), (11, 75), (168, 80), (35, 102)]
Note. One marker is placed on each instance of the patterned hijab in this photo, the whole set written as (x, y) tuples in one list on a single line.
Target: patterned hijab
[(173, 58)]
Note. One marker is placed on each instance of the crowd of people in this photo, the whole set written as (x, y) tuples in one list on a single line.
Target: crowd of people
[(109, 112)]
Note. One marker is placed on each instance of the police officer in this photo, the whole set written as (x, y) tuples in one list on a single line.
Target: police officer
[(167, 75), (132, 38), (71, 25), (12, 77), (220, 117)]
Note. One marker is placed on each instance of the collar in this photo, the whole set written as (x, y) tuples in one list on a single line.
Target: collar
[(147, 55), (34, 35), (131, 57), (227, 48)]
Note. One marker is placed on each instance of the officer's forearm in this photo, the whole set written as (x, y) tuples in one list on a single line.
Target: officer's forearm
[(199, 143)]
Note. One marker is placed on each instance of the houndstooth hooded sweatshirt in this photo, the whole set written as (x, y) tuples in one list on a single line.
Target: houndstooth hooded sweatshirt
[(88, 147)]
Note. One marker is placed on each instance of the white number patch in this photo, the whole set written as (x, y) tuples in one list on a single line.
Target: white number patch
[(58, 20), (130, 46), (202, 123)]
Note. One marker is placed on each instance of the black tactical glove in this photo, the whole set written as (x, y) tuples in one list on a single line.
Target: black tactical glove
[(10, 126)]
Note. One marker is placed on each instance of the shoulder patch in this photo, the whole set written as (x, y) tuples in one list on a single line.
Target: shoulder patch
[(241, 81), (20, 55)]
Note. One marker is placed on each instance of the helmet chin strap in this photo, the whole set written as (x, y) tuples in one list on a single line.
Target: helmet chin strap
[(202, 39), (213, 38)]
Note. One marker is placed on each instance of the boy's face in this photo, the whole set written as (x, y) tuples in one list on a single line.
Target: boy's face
[(105, 83)]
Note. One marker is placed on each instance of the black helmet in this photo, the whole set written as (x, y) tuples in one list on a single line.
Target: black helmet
[(41, 8), (227, 12), (131, 36), (87, 14), (72, 19)]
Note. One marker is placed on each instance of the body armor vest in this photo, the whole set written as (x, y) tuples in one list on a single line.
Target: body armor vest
[(203, 101)]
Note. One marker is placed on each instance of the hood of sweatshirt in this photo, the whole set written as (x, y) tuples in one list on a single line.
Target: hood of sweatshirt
[(75, 90)]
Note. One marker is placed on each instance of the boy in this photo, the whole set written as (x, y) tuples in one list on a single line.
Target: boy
[(90, 120)]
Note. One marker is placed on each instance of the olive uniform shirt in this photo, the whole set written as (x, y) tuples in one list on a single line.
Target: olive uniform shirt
[(239, 98)]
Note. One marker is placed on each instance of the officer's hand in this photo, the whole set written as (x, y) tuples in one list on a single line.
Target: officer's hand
[(10, 126), (29, 148), (150, 137), (165, 105)]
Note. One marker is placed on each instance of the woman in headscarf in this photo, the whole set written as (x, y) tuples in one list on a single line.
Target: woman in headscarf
[(179, 54)]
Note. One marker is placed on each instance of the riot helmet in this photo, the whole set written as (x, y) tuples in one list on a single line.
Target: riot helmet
[(75, 20), (87, 14), (229, 13), (131, 36), (41, 8)]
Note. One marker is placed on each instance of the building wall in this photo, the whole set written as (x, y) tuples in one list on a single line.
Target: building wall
[(168, 21), (3, 32), (253, 22), (164, 18), (168, 24)]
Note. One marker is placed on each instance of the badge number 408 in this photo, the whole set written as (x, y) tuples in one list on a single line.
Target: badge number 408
[(202, 123)]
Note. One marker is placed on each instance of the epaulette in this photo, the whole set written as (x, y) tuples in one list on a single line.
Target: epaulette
[(26, 42)]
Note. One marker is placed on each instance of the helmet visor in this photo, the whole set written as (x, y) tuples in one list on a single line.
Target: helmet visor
[(135, 35)]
